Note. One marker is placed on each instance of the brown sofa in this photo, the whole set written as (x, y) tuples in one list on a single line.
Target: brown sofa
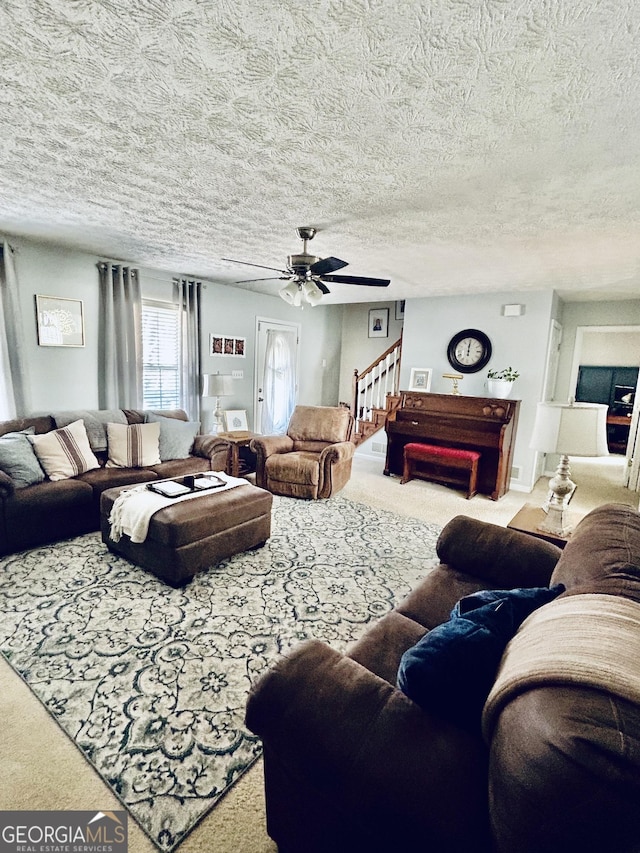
[(313, 460), (352, 764), (53, 510)]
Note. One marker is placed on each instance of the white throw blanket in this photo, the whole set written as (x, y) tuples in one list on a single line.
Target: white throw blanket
[(133, 508), (591, 640)]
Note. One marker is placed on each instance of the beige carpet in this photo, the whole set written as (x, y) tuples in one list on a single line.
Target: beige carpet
[(42, 769)]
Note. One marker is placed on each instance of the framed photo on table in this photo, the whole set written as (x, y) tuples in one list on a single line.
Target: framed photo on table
[(235, 420), (420, 379), (379, 323)]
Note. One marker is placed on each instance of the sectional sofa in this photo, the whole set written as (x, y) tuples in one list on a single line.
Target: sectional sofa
[(37, 509), (522, 745)]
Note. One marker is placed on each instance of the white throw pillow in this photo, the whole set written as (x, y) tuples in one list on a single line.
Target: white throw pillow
[(65, 452), (133, 446)]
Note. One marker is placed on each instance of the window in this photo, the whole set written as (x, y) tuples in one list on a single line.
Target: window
[(160, 355)]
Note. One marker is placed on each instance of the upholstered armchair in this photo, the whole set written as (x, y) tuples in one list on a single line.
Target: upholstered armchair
[(313, 460)]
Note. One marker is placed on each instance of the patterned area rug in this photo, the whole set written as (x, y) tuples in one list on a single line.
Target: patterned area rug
[(151, 682)]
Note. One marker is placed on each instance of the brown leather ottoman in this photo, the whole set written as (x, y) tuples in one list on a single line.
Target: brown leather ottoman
[(189, 536)]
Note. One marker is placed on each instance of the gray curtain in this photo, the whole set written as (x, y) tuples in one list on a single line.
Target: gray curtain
[(120, 331), (13, 374), (187, 295)]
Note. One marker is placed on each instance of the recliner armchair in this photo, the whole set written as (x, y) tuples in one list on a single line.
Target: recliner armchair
[(313, 460)]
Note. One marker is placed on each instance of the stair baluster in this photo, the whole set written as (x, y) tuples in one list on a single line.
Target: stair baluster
[(374, 391)]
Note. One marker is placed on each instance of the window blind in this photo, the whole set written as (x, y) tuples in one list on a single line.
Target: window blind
[(160, 355)]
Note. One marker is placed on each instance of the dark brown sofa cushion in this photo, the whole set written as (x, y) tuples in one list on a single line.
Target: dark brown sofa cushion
[(46, 512)]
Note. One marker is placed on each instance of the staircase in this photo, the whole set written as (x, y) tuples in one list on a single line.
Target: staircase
[(375, 393)]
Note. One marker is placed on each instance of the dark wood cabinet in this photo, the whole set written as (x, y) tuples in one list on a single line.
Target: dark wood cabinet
[(616, 388)]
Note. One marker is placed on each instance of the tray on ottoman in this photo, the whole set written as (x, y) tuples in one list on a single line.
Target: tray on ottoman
[(189, 536)]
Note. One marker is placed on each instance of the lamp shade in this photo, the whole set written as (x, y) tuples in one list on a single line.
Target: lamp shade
[(292, 294), (312, 292), (572, 429), (217, 385)]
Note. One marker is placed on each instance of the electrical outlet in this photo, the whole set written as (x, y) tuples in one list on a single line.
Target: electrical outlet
[(237, 374)]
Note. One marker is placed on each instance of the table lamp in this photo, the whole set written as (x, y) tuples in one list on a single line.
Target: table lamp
[(569, 429), (217, 385)]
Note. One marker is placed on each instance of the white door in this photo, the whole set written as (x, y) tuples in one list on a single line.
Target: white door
[(553, 357), (276, 374), (549, 381), (632, 470)]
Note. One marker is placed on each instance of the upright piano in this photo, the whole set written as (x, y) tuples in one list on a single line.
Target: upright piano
[(473, 423)]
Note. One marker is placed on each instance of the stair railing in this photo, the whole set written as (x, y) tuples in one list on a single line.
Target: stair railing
[(370, 388)]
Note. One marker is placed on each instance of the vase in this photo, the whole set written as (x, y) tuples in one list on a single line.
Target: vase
[(499, 388)]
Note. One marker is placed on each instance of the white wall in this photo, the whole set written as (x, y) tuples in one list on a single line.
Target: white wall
[(518, 342), (58, 377), (358, 349), (575, 314), (610, 349), (67, 378)]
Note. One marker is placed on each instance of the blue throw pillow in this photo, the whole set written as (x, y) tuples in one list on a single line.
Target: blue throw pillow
[(176, 436), (451, 670), (18, 459)]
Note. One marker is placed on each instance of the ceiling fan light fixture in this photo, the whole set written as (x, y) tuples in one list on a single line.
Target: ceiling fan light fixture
[(311, 292), (291, 293)]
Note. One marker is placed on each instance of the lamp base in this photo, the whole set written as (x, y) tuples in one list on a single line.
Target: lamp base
[(554, 523), (562, 487), (217, 419)]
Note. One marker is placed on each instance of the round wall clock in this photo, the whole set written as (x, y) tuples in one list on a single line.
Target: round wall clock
[(469, 351)]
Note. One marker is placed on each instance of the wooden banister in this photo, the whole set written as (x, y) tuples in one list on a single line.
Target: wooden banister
[(372, 386)]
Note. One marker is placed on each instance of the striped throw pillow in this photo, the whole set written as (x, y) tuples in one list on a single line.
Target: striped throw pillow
[(65, 452), (133, 446)]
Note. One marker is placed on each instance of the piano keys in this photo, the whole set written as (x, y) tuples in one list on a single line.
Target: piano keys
[(474, 423)]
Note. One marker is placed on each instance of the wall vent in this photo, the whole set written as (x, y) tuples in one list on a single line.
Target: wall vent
[(516, 472), (376, 447)]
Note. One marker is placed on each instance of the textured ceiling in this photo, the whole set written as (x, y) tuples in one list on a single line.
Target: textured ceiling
[(455, 146)]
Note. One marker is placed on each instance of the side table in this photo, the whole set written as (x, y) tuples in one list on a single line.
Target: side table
[(241, 460), (528, 519)]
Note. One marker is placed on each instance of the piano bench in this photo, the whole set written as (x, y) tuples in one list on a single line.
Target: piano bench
[(455, 458)]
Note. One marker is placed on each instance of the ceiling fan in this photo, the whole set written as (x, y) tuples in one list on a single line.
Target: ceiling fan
[(307, 274)]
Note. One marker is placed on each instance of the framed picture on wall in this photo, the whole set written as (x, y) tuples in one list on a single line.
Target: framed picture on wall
[(60, 321), (420, 379), (227, 345), (379, 323), (400, 309)]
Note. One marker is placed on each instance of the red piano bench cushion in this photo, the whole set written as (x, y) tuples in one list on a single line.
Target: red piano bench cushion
[(426, 451), (451, 457)]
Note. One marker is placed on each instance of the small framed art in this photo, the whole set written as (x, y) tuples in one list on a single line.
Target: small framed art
[(60, 321), (379, 323), (227, 345), (420, 379), (400, 309), (235, 420)]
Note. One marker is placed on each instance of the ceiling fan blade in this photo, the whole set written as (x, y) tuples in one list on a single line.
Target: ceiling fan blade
[(269, 278), (322, 287), (249, 264), (327, 265), (354, 279)]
